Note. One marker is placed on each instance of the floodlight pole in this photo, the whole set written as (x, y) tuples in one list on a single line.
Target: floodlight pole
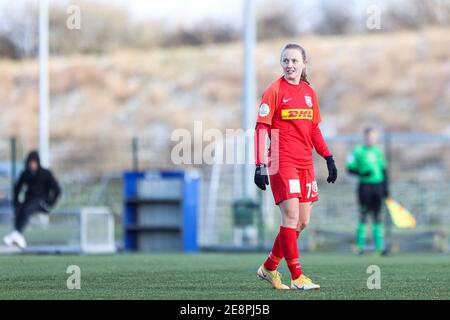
[(249, 95), (43, 83)]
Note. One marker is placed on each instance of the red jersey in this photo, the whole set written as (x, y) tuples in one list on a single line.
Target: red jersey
[(293, 110)]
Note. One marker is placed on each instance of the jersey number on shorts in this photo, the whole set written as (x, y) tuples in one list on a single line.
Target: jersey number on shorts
[(312, 188)]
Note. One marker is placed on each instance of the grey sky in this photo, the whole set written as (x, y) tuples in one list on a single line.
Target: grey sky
[(188, 12), (182, 12)]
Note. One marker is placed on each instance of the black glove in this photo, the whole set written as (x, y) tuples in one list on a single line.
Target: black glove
[(385, 191), (365, 174), (361, 174), (261, 177), (385, 184), (45, 206), (332, 170)]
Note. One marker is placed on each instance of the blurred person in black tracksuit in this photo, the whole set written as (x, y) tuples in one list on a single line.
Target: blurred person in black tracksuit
[(42, 192)]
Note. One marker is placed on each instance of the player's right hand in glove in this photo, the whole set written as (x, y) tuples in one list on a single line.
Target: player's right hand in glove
[(332, 170), (261, 178), (365, 174)]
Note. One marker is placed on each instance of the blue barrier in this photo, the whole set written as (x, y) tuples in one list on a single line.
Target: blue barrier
[(160, 211)]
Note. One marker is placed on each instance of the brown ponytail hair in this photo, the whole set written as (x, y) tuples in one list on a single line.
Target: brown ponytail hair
[(303, 77)]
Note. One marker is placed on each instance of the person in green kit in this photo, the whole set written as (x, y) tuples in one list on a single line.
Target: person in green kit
[(367, 161)]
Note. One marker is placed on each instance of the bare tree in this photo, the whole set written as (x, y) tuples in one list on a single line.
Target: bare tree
[(336, 17), (20, 27), (203, 32), (103, 28), (277, 20), (413, 14), (8, 49)]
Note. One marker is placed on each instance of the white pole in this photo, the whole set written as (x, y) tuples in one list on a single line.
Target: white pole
[(212, 199), (43, 84), (249, 94)]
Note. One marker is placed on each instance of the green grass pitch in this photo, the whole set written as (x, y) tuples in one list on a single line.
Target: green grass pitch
[(220, 276)]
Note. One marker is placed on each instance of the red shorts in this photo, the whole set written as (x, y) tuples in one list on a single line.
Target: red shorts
[(294, 183)]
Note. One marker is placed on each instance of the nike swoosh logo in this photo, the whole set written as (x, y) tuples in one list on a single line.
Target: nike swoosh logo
[(286, 100)]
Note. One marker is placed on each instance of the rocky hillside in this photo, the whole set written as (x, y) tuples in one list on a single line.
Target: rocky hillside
[(398, 80)]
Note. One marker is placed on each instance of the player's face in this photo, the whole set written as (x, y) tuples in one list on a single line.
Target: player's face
[(292, 64), (372, 138), (33, 165)]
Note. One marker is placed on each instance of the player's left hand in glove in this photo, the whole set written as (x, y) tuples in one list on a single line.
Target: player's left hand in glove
[(332, 170), (386, 192), (385, 184), (261, 178), (45, 206)]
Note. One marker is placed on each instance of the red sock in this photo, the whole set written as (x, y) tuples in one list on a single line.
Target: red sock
[(288, 241), (276, 254)]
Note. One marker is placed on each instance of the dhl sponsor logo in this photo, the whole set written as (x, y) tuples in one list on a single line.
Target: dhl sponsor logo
[(295, 114)]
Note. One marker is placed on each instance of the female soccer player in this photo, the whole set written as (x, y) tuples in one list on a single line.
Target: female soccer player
[(289, 114)]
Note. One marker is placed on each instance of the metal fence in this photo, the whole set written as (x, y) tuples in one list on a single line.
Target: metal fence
[(90, 172), (419, 167)]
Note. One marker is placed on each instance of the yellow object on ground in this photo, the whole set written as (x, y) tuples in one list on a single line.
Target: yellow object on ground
[(401, 217)]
